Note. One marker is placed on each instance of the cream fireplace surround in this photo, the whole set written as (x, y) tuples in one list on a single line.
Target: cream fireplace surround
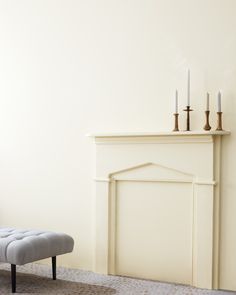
[(158, 206)]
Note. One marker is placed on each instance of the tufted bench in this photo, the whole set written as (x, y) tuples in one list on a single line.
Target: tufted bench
[(18, 247)]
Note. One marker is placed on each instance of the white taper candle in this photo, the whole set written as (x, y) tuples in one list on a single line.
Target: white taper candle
[(208, 103), (176, 101), (188, 90), (219, 102)]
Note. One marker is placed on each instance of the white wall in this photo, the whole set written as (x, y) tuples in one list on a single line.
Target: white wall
[(71, 67)]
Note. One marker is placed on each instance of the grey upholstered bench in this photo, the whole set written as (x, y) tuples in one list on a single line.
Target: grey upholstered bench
[(19, 247)]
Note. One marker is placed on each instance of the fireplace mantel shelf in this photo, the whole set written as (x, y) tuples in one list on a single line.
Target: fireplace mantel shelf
[(156, 134), (139, 173)]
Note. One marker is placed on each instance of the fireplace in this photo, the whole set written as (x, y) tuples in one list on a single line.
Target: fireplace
[(157, 206)]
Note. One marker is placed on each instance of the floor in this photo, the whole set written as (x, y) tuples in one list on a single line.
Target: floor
[(122, 285)]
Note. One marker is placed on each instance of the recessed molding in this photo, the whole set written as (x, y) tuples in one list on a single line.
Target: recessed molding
[(146, 165), (204, 182)]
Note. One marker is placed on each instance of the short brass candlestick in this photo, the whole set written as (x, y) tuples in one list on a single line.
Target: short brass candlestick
[(176, 122), (188, 110), (207, 126), (219, 121)]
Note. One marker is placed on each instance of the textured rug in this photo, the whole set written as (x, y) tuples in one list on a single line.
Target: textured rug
[(32, 284), (36, 279)]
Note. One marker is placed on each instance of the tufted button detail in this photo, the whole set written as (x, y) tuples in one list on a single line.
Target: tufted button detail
[(19, 246)]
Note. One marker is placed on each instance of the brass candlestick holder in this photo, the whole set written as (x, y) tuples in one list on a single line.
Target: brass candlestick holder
[(207, 126), (188, 110), (176, 122), (219, 121)]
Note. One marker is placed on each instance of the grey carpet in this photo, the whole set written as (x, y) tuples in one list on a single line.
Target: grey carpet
[(37, 280), (32, 284)]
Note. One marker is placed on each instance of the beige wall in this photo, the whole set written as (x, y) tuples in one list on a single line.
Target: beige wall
[(71, 67)]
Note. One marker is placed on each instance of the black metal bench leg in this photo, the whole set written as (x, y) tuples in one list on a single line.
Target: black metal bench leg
[(13, 278), (54, 268)]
